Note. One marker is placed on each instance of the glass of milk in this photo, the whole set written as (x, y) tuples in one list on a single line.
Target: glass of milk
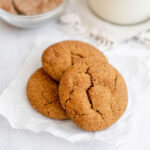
[(125, 12)]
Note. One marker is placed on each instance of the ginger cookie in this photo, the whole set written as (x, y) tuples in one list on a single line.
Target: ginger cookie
[(34, 7), (59, 57), (42, 93), (94, 94), (7, 5)]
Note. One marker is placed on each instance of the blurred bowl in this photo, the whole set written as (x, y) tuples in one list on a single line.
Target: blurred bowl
[(30, 21)]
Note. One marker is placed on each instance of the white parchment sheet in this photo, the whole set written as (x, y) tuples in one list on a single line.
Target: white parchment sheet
[(15, 107)]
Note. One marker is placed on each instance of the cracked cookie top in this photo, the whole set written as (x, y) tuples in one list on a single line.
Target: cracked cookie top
[(42, 93), (59, 57), (94, 94)]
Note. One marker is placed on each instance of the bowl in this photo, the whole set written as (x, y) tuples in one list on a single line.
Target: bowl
[(31, 21)]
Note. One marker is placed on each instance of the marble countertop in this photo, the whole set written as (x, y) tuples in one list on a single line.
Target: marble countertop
[(15, 45)]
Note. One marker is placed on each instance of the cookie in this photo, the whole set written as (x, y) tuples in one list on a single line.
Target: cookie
[(7, 5), (59, 57), (34, 7), (42, 93), (94, 94)]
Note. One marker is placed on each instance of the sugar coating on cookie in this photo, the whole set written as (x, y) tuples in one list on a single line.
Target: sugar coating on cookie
[(59, 57), (7, 5), (34, 7), (94, 94), (42, 93)]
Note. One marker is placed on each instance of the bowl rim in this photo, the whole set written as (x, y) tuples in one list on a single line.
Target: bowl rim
[(49, 13)]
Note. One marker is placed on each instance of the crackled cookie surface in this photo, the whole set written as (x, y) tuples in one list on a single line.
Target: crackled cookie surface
[(59, 57), (34, 7), (42, 93), (7, 5), (94, 94)]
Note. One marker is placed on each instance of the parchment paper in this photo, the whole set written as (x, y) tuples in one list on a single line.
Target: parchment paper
[(15, 107)]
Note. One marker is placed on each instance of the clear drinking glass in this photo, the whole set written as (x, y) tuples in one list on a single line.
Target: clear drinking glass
[(124, 12)]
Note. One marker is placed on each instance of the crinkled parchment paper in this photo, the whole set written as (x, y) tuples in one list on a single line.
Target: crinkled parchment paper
[(15, 107)]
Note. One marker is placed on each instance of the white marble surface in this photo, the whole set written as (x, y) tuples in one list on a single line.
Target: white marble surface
[(15, 45)]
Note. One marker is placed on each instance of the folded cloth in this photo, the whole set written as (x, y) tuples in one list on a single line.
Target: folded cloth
[(79, 20)]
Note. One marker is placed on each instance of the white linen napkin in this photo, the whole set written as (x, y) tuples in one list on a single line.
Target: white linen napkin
[(79, 20), (15, 107)]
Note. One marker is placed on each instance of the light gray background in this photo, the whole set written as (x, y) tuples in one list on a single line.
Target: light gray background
[(15, 45)]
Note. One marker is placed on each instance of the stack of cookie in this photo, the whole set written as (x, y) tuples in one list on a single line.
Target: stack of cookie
[(77, 83), (29, 7)]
